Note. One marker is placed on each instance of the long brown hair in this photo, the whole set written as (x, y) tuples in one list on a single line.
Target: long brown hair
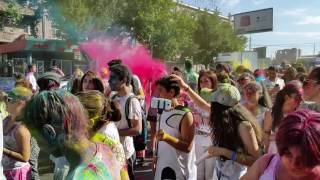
[(225, 120), (289, 89), (97, 82)]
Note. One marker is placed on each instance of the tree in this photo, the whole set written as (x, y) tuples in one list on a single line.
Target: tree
[(214, 36), (79, 18), (158, 25), (11, 14), (167, 30)]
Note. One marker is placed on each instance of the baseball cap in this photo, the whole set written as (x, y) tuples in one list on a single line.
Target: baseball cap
[(52, 76), (226, 94)]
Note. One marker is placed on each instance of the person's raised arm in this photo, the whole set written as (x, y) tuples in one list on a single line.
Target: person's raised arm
[(193, 95)]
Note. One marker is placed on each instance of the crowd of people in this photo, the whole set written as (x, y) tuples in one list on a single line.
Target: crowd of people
[(221, 124)]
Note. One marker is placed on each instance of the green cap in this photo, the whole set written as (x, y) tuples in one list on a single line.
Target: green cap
[(226, 94)]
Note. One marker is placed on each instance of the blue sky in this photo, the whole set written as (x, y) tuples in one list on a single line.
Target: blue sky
[(296, 22)]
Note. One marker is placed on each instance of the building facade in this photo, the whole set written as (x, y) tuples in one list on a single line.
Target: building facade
[(288, 55), (35, 40)]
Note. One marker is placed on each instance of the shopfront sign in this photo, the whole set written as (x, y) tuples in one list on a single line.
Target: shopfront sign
[(49, 45)]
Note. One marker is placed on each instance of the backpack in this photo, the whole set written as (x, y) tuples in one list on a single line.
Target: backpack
[(135, 85), (140, 141)]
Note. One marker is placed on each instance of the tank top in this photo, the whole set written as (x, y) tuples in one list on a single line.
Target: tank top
[(9, 142), (270, 171), (172, 163)]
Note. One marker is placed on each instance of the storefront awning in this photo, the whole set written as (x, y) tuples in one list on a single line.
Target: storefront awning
[(39, 45)]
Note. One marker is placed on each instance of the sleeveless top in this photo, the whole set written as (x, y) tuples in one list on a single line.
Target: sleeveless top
[(172, 163), (270, 171), (9, 142)]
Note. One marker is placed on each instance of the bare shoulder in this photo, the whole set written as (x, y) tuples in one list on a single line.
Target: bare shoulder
[(22, 130), (258, 168), (245, 126), (188, 116)]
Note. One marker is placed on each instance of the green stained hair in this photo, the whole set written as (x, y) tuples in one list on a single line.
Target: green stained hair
[(60, 109)]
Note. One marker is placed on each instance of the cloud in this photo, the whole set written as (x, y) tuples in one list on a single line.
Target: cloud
[(310, 34), (230, 2), (295, 12), (309, 20)]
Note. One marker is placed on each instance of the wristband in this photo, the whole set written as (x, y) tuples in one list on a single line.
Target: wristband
[(168, 137)]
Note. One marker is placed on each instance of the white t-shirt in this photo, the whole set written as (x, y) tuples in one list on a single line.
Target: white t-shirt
[(134, 113), (30, 77), (111, 131), (270, 84)]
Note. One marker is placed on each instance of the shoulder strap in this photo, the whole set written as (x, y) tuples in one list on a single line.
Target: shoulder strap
[(269, 161), (126, 110), (182, 108), (114, 97)]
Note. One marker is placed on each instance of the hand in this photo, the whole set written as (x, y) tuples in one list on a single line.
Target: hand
[(160, 135), (215, 151), (179, 80)]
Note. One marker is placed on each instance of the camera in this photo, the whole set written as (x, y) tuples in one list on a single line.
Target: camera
[(160, 103)]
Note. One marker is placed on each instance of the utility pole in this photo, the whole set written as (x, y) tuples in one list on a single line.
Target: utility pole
[(250, 42), (314, 48)]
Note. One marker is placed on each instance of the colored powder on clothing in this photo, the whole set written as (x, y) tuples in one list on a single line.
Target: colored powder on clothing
[(136, 57)]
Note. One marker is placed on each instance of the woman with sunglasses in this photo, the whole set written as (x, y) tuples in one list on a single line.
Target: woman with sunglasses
[(16, 137), (252, 93), (311, 89), (287, 101)]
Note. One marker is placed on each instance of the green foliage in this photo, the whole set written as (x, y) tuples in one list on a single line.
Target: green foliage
[(158, 25), (214, 36), (11, 14), (169, 31), (79, 18)]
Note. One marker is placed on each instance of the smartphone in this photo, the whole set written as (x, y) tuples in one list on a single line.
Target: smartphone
[(160, 103)]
